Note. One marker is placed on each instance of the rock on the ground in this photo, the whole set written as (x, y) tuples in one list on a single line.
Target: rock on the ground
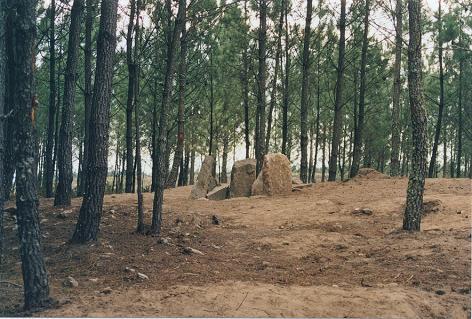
[(70, 282), (143, 276), (219, 193), (243, 175), (275, 177), (206, 181)]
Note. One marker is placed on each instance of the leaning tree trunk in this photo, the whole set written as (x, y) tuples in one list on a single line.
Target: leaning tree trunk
[(36, 287), (162, 148), (394, 160), (64, 159), (414, 199), (87, 226), (337, 123), (304, 96), (49, 172), (432, 163), (172, 178), (356, 157), (129, 102)]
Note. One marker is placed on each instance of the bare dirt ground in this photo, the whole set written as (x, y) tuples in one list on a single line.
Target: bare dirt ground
[(305, 254)]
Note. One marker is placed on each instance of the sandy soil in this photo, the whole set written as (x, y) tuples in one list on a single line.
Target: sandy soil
[(305, 254)]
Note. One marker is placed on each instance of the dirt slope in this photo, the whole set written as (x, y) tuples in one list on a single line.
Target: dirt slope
[(304, 254)]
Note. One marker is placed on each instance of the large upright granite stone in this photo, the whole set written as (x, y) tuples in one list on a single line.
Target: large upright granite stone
[(275, 177), (243, 176), (206, 181)]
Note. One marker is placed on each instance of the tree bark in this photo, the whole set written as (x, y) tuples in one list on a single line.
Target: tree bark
[(337, 122), (432, 162), (414, 200), (129, 102), (87, 226), (172, 178), (394, 160), (3, 86), (139, 186), (88, 88), (360, 122), (460, 124), (162, 148), (273, 94), (36, 287), (245, 86), (64, 156), (304, 95), (261, 100), (49, 172), (286, 91)]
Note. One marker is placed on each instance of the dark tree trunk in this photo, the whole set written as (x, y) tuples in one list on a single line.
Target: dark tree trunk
[(414, 199), (432, 163), (323, 155), (162, 149), (49, 172), (3, 86), (212, 102), (139, 186), (88, 88), (337, 123), (224, 161), (36, 287), (245, 86), (394, 160), (318, 110), (286, 89), (172, 178), (192, 167), (273, 94), (64, 159), (304, 95), (261, 100), (356, 157), (96, 169), (129, 102), (460, 124)]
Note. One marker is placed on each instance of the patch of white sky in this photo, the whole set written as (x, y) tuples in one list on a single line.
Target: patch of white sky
[(381, 29)]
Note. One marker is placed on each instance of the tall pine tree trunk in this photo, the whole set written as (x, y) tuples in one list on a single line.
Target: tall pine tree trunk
[(356, 157), (432, 163), (286, 89), (129, 102), (3, 86), (87, 226), (394, 160), (261, 98), (304, 95), (64, 159), (139, 186), (337, 122), (460, 124), (162, 148), (414, 199), (49, 172), (172, 178), (88, 88), (35, 279)]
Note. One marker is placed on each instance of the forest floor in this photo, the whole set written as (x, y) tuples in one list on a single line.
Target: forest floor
[(304, 254)]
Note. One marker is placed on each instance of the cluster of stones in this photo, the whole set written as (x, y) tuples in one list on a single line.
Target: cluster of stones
[(275, 178)]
